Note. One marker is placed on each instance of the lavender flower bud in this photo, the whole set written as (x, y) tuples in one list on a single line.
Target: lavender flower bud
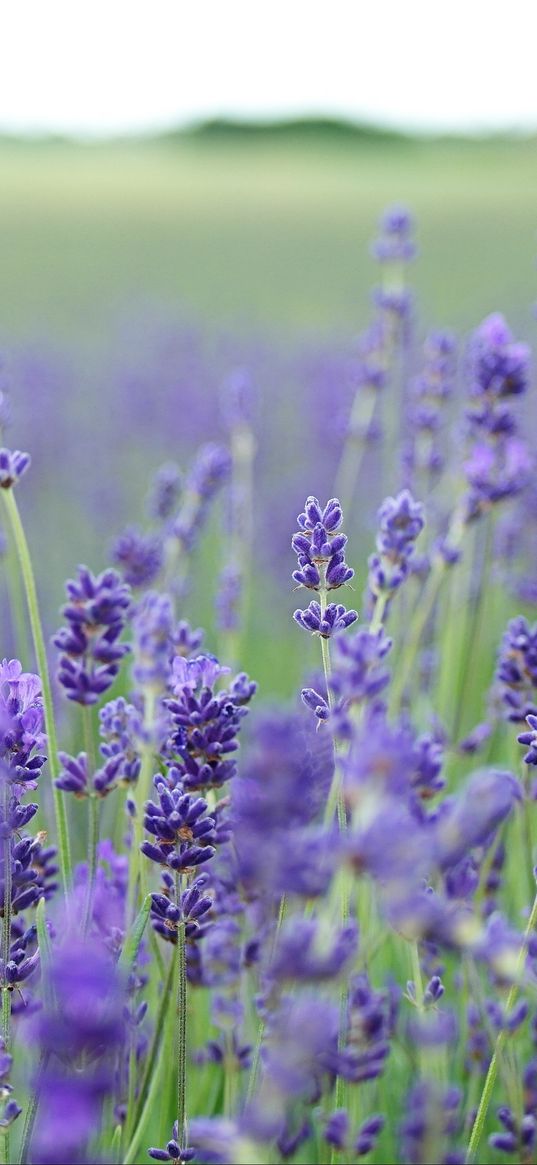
[(96, 614), (12, 467), (139, 556)]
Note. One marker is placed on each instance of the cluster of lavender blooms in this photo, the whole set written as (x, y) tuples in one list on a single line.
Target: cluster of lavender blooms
[(394, 249), (299, 932), (178, 506), (401, 520), (90, 652), (320, 550), (424, 453), (499, 463), (27, 865)]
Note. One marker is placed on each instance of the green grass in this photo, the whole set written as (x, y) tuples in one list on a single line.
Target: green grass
[(258, 231)]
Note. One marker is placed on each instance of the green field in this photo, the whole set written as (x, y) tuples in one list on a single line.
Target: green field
[(254, 232), (258, 231)]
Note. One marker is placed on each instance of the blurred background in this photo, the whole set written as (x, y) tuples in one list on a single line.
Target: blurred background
[(185, 189)]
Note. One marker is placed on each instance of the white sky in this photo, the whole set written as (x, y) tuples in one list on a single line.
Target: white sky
[(103, 66)]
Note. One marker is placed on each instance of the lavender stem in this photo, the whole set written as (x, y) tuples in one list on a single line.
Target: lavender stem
[(488, 1087), (27, 573)]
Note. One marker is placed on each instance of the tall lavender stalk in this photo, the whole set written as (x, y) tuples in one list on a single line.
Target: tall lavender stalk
[(320, 548), (232, 601), (394, 249), (90, 655)]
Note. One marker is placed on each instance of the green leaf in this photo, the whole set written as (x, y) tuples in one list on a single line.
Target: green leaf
[(134, 937)]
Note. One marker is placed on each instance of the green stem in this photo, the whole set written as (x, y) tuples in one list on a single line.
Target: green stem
[(417, 627), (27, 573), (243, 447), (93, 818), (151, 1103), (141, 791), (181, 1023), (348, 471), (335, 800), (261, 1027), (94, 806), (16, 605), (488, 1087), (31, 1112), (416, 973), (151, 1070), (378, 614)]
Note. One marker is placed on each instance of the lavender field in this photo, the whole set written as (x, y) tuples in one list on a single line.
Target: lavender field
[(268, 849)]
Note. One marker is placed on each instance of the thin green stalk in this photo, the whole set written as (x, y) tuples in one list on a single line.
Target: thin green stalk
[(424, 608), (350, 464), (48, 996), (488, 1087), (93, 819), (181, 1023), (378, 614), (416, 974), (151, 1069), (335, 800), (31, 1112), (17, 606), (151, 1103), (252, 1081), (27, 573), (525, 810), (94, 807), (140, 792), (418, 624), (115, 1151), (243, 447), (475, 605)]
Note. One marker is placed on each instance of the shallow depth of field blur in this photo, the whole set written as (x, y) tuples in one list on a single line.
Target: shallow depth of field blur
[(138, 279)]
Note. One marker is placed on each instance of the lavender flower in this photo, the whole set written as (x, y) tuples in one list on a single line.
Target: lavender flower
[(22, 723), (209, 472), (228, 598), (75, 777), (96, 613), (120, 729), (301, 956), (13, 466), (153, 634), (372, 1016), (431, 1114), (357, 678), (499, 464), (11, 1110), (401, 520), (335, 618), (516, 670), (79, 1031), (205, 723), (183, 827), (529, 740), (395, 244), (519, 1136), (173, 1150), (473, 817), (191, 911), (165, 491), (500, 367), (319, 547), (139, 556)]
